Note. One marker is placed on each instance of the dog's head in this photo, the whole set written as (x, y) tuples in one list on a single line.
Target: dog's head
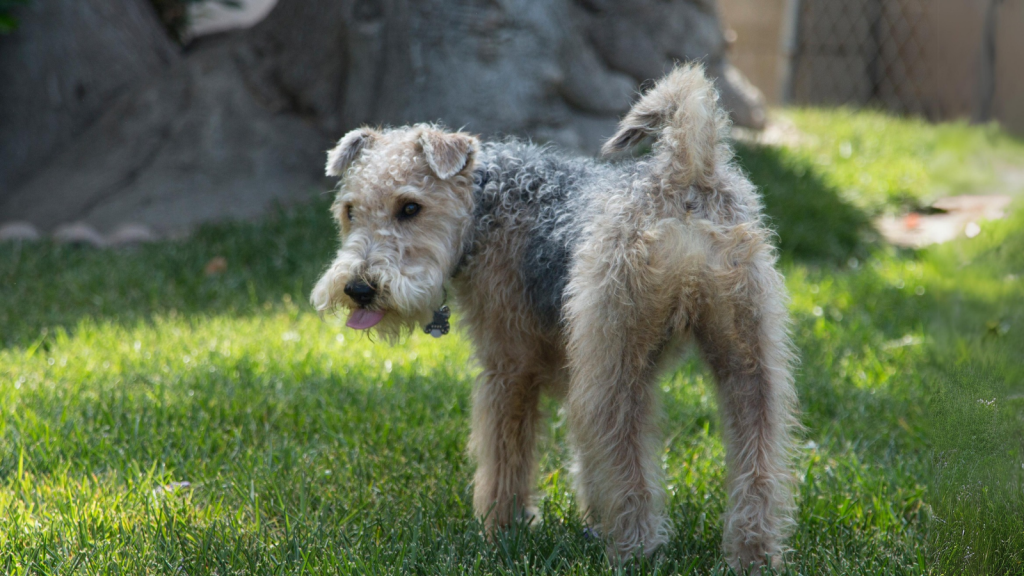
[(404, 207)]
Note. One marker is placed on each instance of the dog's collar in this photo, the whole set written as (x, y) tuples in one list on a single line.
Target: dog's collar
[(440, 326)]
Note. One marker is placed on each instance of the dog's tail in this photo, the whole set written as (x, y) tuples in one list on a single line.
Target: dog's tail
[(682, 110)]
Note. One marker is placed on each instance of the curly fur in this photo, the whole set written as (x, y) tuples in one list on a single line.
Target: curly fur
[(584, 280)]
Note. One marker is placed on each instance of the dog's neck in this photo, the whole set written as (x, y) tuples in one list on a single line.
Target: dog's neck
[(481, 177), (439, 325)]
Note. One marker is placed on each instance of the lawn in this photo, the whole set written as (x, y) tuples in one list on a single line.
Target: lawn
[(156, 419)]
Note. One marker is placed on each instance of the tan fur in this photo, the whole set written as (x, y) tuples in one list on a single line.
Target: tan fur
[(683, 109), (678, 254), (410, 263)]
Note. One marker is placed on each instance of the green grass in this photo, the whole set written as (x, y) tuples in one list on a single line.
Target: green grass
[(310, 449), (879, 163)]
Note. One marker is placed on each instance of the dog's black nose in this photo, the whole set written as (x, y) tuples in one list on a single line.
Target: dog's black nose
[(361, 292)]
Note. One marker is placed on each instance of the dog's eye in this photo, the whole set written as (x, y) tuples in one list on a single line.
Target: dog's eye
[(348, 212), (409, 210)]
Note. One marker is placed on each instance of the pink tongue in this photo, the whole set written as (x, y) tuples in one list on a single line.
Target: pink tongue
[(362, 319)]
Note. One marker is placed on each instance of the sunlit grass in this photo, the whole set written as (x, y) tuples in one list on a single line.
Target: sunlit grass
[(881, 163), (154, 419)]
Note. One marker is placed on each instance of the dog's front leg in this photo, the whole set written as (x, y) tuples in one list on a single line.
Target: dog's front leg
[(503, 442)]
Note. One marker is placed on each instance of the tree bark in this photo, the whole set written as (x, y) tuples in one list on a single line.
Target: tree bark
[(243, 119)]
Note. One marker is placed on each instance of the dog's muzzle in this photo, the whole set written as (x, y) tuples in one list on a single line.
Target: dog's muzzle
[(361, 292)]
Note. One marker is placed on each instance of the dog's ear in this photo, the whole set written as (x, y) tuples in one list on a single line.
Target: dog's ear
[(347, 149), (448, 153)]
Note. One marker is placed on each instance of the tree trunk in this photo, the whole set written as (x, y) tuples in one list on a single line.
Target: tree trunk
[(244, 119)]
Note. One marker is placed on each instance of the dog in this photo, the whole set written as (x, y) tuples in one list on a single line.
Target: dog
[(584, 280)]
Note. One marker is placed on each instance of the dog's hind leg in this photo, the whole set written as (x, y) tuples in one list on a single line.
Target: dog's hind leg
[(616, 332), (741, 329)]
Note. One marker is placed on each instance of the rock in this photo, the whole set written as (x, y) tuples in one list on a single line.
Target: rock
[(241, 121), (192, 147), (588, 85), (18, 232), (131, 235), (62, 67), (745, 103), (79, 234), (778, 131)]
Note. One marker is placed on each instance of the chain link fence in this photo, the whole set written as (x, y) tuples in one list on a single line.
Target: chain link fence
[(876, 53)]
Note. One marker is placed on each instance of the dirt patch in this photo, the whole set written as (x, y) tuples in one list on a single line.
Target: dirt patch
[(947, 219)]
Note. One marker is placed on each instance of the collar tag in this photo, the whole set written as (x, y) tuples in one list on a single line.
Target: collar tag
[(439, 327)]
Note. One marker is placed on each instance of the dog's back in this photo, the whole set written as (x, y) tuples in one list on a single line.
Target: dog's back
[(535, 201)]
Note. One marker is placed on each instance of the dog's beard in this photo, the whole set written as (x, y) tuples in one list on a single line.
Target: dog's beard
[(392, 327), (405, 301)]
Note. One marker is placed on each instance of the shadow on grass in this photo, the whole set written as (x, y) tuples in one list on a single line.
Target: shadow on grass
[(46, 286), (293, 442), (814, 223)]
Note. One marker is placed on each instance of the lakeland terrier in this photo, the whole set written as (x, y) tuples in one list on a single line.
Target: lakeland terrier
[(584, 280)]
